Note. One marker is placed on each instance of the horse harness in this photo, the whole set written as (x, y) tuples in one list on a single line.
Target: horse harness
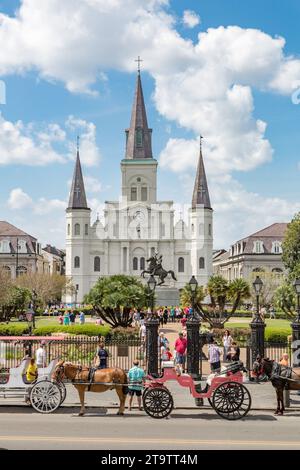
[(91, 376), (281, 374)]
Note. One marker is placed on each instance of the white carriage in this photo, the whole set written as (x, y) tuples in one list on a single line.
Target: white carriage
[(44, 395)]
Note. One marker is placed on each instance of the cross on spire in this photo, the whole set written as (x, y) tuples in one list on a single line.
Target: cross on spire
[(78, 143), (139, 60)]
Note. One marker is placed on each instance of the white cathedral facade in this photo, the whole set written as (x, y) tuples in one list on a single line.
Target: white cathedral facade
[(138, 225)]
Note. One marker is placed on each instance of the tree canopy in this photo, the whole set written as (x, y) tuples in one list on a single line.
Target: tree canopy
[(291, 247), (113, 298)]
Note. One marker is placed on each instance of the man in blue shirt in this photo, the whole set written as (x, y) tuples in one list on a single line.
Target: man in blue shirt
[(136, 376)]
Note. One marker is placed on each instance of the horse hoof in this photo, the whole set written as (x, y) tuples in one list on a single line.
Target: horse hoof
[(120, 414), (276, 412), (80, 414)]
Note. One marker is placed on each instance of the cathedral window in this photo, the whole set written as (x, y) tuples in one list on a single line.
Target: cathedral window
[(193, 229), (133, 195), (69, 229), (77, 229), (142, 264), (181, 265), (86, 229), (139, 137), (5, 246), (144, 193), (76, 262), (96, 264), (201, 263), (163, 230), (209, 230), (135, 264)]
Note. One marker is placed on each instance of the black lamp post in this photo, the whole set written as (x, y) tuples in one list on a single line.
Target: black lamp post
[(296, 327), (34, 297), (152, 324), (257, 325), (193, 335)]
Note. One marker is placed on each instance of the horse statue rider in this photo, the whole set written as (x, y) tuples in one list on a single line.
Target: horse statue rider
[(155, 269)]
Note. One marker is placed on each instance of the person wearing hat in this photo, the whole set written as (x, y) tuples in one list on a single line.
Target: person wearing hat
[(136, 376)]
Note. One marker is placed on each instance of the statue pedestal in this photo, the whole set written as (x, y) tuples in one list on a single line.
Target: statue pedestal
[(166, 296)]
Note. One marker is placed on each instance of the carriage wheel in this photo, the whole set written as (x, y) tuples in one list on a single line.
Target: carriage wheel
[(45, 396), (63, 391), (231, 400), (158, 402)]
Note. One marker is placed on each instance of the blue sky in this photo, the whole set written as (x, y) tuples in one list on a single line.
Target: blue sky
[(46, 83)]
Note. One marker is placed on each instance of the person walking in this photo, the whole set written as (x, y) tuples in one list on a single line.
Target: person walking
[(136, 376), (173, 314), (227, 343), (180, 348), (72, 317), (66, 319), (166, 315), (214, 357), (272, 312), (101, 357)]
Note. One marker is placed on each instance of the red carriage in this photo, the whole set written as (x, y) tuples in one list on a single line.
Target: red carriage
[(226, 393)]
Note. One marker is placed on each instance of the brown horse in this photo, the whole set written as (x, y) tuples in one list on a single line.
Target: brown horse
[(281, 377), (114, 378)]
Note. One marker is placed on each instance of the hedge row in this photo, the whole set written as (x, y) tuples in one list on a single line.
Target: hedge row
[(88, 330), (242, 335)]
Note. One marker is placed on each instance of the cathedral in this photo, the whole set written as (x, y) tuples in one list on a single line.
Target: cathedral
[(138, 225)]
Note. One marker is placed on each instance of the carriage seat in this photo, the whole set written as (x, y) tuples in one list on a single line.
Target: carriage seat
[(16, 375), (46, 372)]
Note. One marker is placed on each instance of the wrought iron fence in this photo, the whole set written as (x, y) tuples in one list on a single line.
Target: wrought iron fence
[(82, 350), (273, 351)]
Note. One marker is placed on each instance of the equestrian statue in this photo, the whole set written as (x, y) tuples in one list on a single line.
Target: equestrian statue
[(155, 269)]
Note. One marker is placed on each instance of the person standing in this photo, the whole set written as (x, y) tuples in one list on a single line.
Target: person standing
[(227, 343), (40, 356), (72, 317), (101, 358), (81, 318), (166, 315), (136, 376), (143, 332), (180, 348), (172, 314), (214, 357), (66, 319), (272, 312)]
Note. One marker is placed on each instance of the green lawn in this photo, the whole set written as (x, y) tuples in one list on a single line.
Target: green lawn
[(270, 323)]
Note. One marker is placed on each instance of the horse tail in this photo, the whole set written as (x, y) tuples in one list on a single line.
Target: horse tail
[(173, 275), (125, 387)]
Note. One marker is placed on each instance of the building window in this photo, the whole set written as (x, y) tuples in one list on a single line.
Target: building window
[(163, 230), (258, 247), (86, 229), (193, 229), (96, 264), (277, 248), (144, 193), (201, 263), (133, 195), (21, 270), (277, 271), (142, 264), (181, 265), (139, 137), (22, 246), (258, 270), (76, 262), (69, 229), (209, 230), (77, 229), (135, 264), (124, 259), (5, 246)]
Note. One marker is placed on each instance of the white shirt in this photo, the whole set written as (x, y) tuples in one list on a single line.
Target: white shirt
[(227, 340), (143, 330), (40, 356)]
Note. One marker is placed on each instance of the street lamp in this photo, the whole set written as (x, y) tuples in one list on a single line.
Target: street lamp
[(34, 296), (193, 285), (257, 285), (76, 293), (151, 286), (297, 290)]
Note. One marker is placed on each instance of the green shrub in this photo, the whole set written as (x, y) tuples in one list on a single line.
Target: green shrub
[(8, 329), (121, 332), (88, 330), (278, 335)]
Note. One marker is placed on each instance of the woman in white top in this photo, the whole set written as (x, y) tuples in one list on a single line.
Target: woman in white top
[(227, 343)]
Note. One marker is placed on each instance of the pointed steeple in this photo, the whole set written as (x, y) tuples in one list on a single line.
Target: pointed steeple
[(138, 136), (77, 198), (201, 194)]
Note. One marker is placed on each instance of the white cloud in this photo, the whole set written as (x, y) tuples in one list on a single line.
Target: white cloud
[(92, 185), (29, 144), (190, 19), (89, 152), (18, 199)]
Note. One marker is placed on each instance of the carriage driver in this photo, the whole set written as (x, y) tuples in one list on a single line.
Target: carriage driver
[(136, 376)]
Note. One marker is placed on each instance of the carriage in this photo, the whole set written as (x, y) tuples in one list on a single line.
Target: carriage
[(226, 392), (44, 395)]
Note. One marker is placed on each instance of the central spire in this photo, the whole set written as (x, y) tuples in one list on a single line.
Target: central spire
[(77, 198), (138, 136)]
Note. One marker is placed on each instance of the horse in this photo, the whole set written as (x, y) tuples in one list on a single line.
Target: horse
[(93, 382), (281, 377), (157, 270)]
